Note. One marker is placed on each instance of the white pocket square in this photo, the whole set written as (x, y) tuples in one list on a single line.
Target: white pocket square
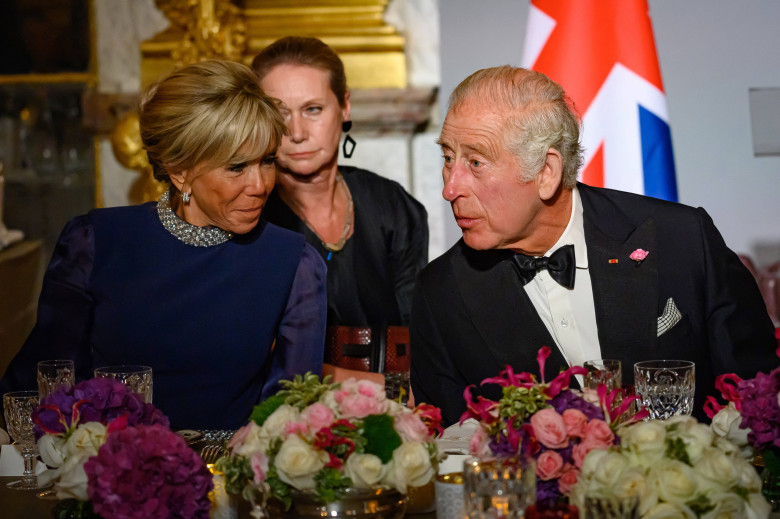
[(669, 318)]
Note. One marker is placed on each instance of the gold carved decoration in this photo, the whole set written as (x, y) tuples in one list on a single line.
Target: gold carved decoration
[(129, 151), (210, 29)]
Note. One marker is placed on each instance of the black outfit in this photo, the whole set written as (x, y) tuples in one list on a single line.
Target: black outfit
[(370, 281), (471, 316)]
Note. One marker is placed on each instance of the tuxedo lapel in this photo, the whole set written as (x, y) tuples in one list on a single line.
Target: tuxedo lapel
[(502, 313), (625, 293)]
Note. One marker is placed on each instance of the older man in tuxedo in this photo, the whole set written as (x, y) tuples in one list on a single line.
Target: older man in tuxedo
[(546, 261)]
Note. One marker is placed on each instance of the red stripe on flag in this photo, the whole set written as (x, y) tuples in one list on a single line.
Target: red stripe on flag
[(593, 174), (589, 37)]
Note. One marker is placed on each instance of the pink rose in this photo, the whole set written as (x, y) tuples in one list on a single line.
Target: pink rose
[(359, 406), (411, 427), (479, 446), (568, 478), (259, 463), (240, 436), (317, 416), (364, 387), (295, 428), (639, 255), (575, 421), (549, 428), (549, 465), (598, 432)]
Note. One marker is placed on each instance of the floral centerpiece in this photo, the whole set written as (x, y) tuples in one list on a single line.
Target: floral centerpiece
[(677, 468), (325, 438), (751, 419), (548, 421), (113, 456)]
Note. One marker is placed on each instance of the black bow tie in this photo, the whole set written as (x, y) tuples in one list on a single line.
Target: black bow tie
[(560, 264)]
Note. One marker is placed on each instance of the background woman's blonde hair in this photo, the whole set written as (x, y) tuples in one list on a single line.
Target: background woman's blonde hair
[(538, 116), (211, 112)]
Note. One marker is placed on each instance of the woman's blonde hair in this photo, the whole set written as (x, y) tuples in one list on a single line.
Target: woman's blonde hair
[(211, 112)]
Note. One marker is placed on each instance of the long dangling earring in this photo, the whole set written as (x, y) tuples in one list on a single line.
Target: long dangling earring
[(348, 148)]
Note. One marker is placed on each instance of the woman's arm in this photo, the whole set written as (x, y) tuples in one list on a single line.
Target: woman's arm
[(300, 343), (65, 310)]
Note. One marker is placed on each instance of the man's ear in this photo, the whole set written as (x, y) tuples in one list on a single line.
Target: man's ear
[(550, 176)]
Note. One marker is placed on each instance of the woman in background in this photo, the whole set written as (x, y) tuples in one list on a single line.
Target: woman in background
[(219, 303), (371, 232)]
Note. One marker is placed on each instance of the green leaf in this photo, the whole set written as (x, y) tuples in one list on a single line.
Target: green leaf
[(381, 438), (266, 408), (675, 449), (701, 505), (331, 484), (278, 488), (772, 460), (302, 391), (237, 472)]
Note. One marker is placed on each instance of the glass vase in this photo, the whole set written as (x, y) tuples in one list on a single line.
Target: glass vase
[(770, 487)]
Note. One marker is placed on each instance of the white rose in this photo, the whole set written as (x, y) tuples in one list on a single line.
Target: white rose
[(297, 462), (253, 442), (647, 440), (669, 511), (632, 482), (717, 471), (748, 476), (52, 450), (609, 469), (726, 424), (410, 467), (757, 507), (72, 482), (592, 461), (366, 470), (697, 437), (85, 440), (727, 506), (274, 425), (673, 481)]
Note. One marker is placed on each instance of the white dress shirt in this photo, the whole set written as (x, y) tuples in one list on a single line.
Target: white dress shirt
[(569, 314)]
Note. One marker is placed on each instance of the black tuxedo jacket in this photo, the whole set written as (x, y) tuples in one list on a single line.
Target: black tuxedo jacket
[(471, 316)]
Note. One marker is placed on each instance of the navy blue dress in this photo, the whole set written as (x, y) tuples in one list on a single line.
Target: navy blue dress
[(219, 325)]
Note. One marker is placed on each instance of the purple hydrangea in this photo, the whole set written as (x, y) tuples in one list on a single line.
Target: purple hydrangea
[(547, 491), (148, 472), (760, 409), (95, 400), (570, 400)]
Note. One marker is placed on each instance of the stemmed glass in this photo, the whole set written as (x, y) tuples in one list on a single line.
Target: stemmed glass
[(666, 387), (53, 374), (137, 378), (19, 406)]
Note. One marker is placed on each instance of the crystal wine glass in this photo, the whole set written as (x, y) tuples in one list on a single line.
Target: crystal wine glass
[(19, 406), (53, 374), (137, 378)]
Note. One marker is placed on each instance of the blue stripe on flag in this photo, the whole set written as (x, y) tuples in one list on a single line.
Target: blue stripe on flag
[(657, 158)]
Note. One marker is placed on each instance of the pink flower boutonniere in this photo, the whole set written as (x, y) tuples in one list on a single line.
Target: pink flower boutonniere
[(639, 256)]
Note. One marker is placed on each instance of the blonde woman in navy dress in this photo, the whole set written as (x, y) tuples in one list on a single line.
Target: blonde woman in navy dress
[(220, 303)]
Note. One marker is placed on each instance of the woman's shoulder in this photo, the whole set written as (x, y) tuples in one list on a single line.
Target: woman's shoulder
[(119, 213)]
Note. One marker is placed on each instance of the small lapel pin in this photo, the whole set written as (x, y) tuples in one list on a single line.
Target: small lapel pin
[(613, 260)]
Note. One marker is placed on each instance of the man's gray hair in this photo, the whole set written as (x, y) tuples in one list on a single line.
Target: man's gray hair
[(539, 116)]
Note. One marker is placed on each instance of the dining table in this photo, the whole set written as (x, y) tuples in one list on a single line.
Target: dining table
[(25, 504)]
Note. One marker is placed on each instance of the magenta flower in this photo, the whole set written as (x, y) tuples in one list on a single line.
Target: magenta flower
[(95, 400), (148, 472), (760, 409)]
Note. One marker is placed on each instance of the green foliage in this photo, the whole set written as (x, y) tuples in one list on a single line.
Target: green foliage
[(278, 488), (381, 438), (772, 460), (264, 409), (303, 391), (519, 403), (73, 509), (701, 505), (237, 471), (675, 449), (331, 485)]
